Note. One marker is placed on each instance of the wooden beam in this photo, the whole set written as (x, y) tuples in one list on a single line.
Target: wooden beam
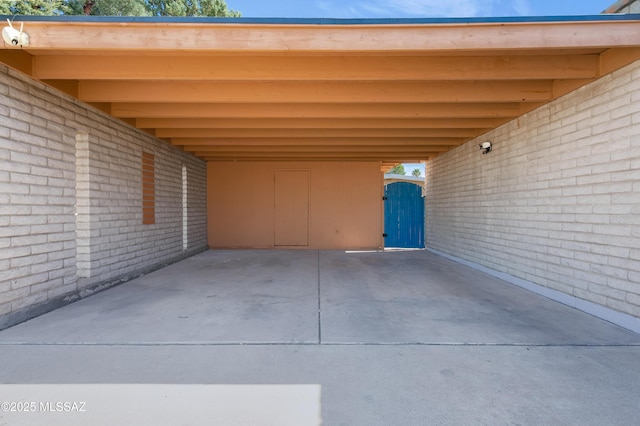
[(304, 68), (319, 155), (298, 158), (258, 143), (262, 144), (562, 87), (446, 110), (350, 149), (17, 59), (70, 87), (247, 37), (106, 107), (217, 134), (318, 123), (614, 59), (317, 92)]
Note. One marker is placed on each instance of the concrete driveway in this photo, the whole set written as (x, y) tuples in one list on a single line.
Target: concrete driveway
[(393, 338)]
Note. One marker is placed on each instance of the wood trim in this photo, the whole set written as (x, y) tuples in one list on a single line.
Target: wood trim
[(148, 189)]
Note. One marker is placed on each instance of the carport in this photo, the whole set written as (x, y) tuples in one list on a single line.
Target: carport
[(315, 109), (136, 142), (131, 144)]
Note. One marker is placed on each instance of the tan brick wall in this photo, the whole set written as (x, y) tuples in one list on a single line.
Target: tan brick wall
[(624, 6), (54, 245), (557, 202)]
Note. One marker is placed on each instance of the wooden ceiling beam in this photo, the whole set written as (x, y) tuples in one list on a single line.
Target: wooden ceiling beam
[(305, 68), (298, 158), (614, 59), (562, 87), (18, 59), (217, 134), (70, 87), (316, 149), (446, 110), (331, 142), (370, 155), (318, 92), (168, 124)]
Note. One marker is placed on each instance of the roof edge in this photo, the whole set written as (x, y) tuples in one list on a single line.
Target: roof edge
[(322, 21)]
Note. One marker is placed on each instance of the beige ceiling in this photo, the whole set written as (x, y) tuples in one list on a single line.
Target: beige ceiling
[(387, 92)]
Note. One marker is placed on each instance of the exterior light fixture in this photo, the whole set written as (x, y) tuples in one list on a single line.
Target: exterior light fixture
[(13, 37), (485, 147)]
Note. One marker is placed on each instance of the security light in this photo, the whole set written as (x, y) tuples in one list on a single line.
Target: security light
[(485, 147), (13, 37)]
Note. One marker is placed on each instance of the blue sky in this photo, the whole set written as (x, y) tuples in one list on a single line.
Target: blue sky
[(414, 8)]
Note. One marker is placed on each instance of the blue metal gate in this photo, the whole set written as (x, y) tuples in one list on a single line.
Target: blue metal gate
[(403, 215)]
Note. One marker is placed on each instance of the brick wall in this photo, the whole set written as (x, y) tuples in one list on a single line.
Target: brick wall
[(624, 6), (557, 202), (70, 200)]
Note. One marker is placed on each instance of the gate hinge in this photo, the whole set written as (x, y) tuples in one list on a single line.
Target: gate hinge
[(384, 198), (385, 235)]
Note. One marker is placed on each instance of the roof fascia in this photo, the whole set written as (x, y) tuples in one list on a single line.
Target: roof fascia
[(161, 34), (322, 21)]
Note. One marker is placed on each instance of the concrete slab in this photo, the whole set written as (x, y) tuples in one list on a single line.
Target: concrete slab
[(401, 338), (216, 296), (312, 297), (419, 297), (375, 385)]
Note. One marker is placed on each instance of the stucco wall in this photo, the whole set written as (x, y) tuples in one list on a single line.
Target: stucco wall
[(557, 202), (345, 204), (70, 200)]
